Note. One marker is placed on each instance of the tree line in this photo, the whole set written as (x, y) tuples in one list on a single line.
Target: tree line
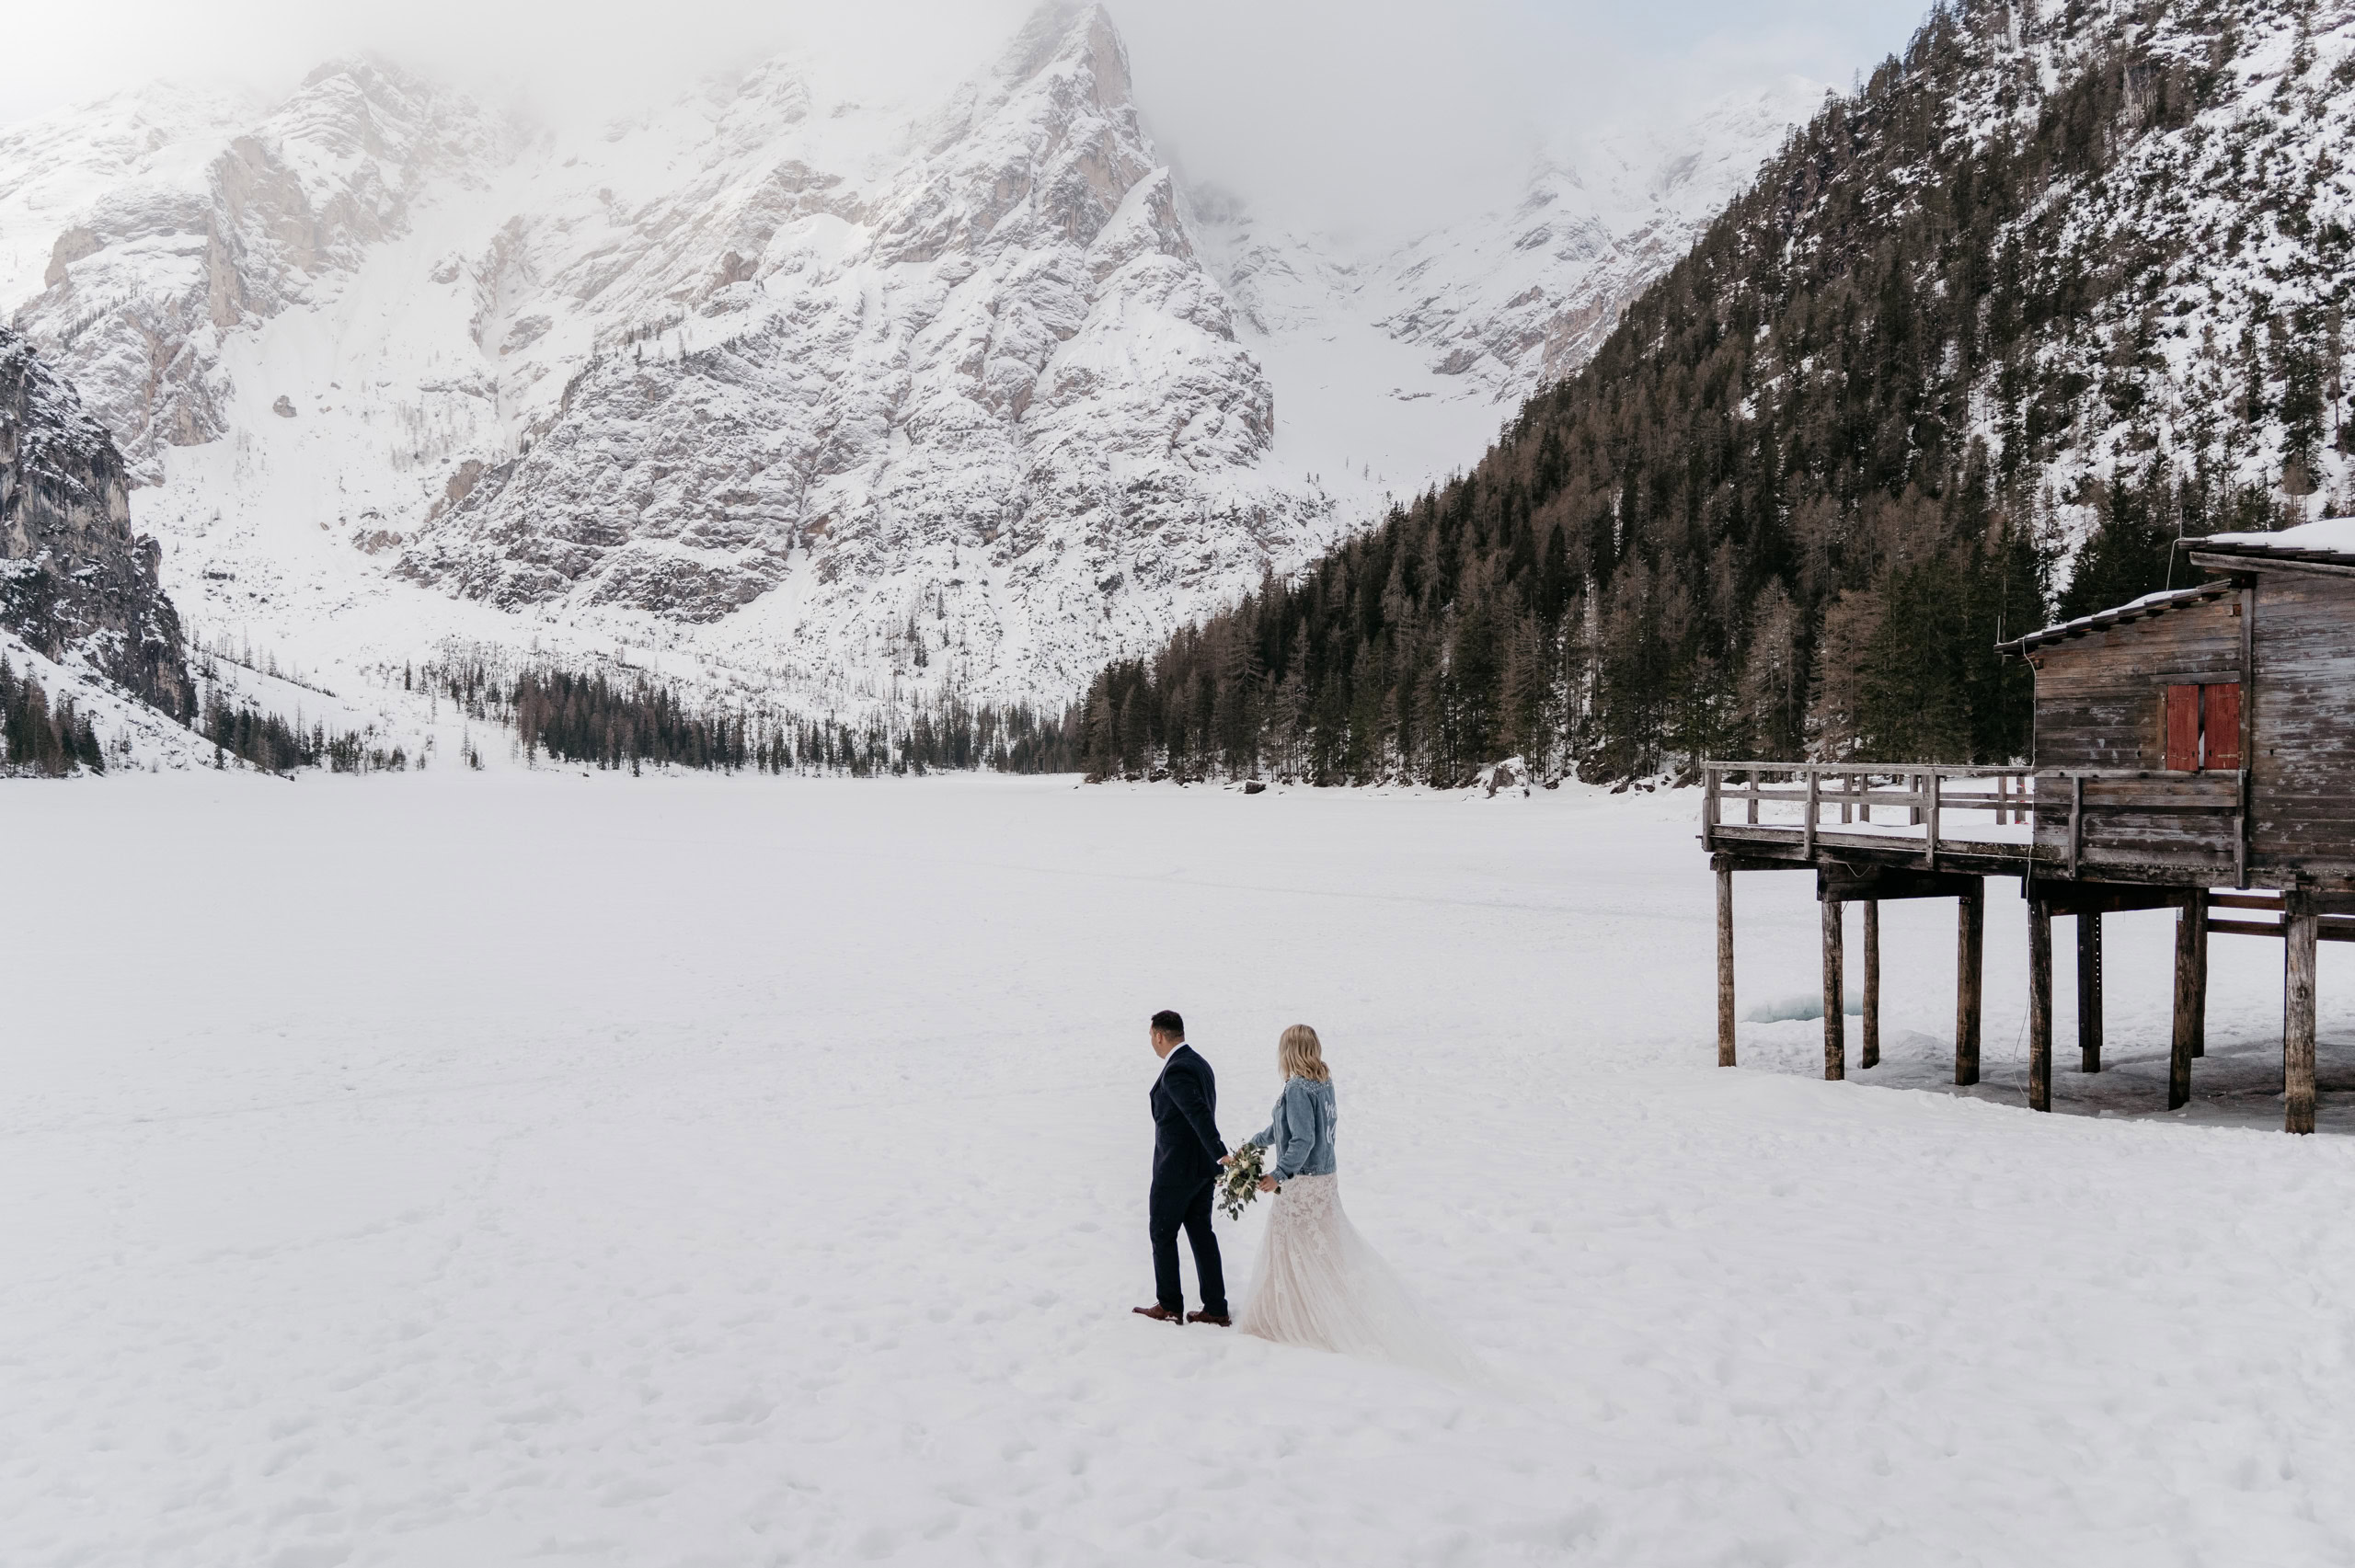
[(632, 720), (37, 740), (1800, 493)]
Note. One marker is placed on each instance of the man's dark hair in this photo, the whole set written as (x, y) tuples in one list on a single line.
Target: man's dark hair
[(1167, 1023)]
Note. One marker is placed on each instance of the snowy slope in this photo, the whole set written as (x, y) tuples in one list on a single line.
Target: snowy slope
[(201, 225), (2181, 220), (824, 397), (2220, 248), (136, 735), (1398, 365)]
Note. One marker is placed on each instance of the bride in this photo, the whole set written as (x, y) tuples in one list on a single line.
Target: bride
[(1319, 1283)]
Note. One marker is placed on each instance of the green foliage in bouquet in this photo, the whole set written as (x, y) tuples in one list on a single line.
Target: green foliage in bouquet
[(1241, 1182)]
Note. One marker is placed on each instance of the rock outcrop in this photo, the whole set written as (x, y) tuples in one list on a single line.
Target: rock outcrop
[(75, 582)]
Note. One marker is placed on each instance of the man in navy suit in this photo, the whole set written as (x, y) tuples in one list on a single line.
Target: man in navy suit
[(1186, 1152)]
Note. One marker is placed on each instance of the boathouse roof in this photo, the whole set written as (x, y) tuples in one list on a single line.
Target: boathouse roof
[(2148, 605), (2328, 543)]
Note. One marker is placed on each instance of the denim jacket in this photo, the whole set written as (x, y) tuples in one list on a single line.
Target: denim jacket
[(1300, 1130)]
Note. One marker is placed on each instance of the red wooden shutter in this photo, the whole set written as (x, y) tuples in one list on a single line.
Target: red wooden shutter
[(2221, 723), (2183, 728)]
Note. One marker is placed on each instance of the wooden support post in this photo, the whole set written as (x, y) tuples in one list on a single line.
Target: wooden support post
[(2089, 992), (1724, 964), (2039, 1005), (1711, 778), (1835, 1018), (2300, 926), (2198, 912), (2076, 821), (2187, 1000), (1871, 1054), (1930, 782), (2243, 824), (1969, 977)]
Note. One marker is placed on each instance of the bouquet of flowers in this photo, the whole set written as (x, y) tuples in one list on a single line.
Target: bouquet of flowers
[(1240, 1185)]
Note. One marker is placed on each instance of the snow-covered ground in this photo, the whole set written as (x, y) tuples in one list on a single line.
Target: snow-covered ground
[(456, 1168)]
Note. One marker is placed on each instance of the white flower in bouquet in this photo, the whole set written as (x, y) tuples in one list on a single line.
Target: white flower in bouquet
[(1240, 1185)]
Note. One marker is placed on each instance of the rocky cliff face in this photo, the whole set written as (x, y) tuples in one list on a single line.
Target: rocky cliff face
[(845, 397), (204, 223), (75, 582), (978, 410)]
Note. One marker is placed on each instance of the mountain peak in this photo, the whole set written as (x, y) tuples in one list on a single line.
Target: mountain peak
[(1067, 30)]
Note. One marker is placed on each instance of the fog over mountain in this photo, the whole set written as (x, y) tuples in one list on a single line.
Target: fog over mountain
[(902, 359), (1396, 114)]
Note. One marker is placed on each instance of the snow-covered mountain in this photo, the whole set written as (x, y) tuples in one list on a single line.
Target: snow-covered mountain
[(826, 397), (1398, 365), (1521, 297)]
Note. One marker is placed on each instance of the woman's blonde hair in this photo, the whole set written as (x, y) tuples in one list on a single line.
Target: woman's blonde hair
[(1302, 1055)]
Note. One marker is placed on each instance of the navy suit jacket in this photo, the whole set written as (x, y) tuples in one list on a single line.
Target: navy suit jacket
[(1186, 1146)]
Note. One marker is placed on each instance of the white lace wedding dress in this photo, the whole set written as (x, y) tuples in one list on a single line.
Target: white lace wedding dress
[(1320, 1285)]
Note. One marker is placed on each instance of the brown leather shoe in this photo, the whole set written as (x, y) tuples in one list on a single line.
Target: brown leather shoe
[(1220, 1321), (1158, 1313)]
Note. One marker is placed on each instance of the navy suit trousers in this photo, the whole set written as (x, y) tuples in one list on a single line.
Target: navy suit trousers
[(1185, 1205)]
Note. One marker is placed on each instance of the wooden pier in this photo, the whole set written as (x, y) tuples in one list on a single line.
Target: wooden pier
[(2194, 751)]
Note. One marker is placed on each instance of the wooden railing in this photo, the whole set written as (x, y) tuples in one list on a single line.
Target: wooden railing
[(2137, 818), (2148, 819), (1926, 793)]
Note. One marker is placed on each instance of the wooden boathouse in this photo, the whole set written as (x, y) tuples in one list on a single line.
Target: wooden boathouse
[(2194, 749)]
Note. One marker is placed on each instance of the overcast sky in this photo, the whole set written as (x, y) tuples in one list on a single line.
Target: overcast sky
[(1316, 103)]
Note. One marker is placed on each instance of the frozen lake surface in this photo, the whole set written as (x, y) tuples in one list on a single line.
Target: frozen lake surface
[(481, 1169)]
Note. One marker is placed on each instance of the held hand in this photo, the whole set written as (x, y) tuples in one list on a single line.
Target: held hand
[(1267, 1183), (1226, 1158)]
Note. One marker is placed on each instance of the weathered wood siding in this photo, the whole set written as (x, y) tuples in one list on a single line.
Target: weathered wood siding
[(2101, 703), (2183, 819), (2303, 772), (2101, 698)]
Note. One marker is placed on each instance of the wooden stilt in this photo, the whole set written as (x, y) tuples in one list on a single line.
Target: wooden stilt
[(2039, 1006), (1724, 964), (1871, 1053), (2089, 992), (1969, 977), (2198, 912), (2298, 927), (2187, 1001), (1835, 1023)]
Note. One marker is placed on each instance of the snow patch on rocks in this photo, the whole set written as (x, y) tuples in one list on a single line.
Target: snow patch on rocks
[(848, 400)]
